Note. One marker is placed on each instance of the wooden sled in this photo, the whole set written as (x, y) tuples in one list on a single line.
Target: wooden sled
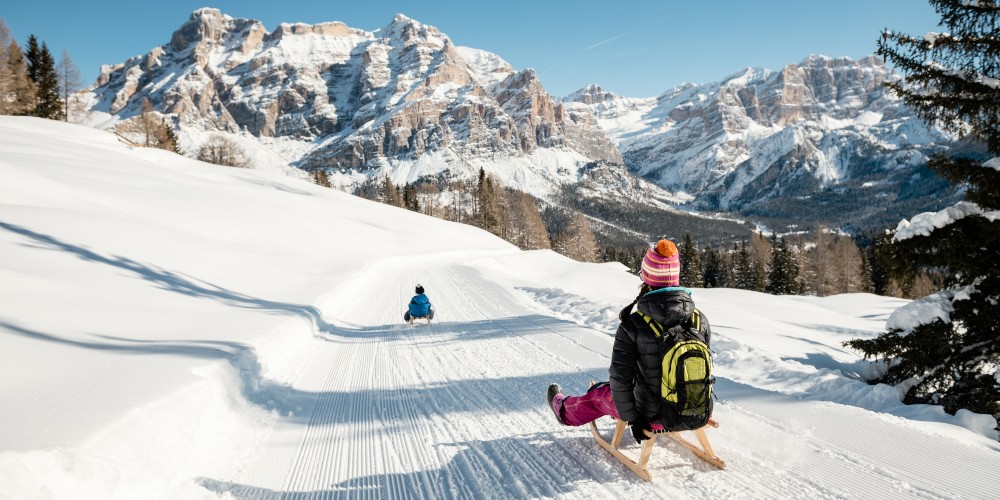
[(412, 320), (703, 452)]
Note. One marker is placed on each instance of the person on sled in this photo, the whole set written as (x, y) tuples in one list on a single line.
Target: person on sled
[(420, 307), (636, 369)]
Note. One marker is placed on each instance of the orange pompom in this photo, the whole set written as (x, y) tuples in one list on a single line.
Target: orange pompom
[(666, 248)]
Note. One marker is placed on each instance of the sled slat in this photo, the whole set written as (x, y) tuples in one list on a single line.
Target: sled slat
[(631, 464), (703, 452)]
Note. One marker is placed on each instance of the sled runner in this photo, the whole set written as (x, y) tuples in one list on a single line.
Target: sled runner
[(703, 452), (413, 320)]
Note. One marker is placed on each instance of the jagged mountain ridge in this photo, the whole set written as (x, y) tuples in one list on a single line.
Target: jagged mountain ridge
[(402, 100), (818, 139)]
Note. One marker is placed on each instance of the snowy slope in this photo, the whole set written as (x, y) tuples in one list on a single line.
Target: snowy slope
[(172, 329)]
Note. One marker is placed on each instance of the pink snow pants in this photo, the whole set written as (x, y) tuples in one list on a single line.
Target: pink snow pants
[(580, 410), (596, 403)]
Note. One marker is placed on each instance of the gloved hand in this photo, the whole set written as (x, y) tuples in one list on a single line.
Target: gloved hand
[(638, 426)]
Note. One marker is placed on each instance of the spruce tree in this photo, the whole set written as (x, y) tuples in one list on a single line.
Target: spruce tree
[(714, 275), (487, 201), (390, 193), (42, 71), (758, 275), (880, 260), (743, 272), (952, 357), (784, 270), (691, 271), (33, 55)]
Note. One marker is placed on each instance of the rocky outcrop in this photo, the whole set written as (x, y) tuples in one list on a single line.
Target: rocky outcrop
[(774, 143), (364, 99)]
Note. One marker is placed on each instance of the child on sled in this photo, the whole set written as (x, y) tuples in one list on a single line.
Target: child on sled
[(635, 374)]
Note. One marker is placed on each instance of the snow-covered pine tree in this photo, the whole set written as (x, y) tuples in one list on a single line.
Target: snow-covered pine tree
[(947, 345)]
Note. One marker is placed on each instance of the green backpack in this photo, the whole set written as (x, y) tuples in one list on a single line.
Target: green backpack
[(686, 385)]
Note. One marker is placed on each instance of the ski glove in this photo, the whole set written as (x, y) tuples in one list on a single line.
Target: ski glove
[(638, 426)]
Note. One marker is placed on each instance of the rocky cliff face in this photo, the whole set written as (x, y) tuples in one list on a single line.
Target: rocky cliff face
[(387, 100), (821, 138)]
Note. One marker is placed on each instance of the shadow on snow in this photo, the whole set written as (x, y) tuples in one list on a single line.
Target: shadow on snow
[(525, 466), (516, 393)]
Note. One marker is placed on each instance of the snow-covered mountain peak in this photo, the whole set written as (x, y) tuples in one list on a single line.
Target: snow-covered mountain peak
[(359, 103), (406, 31), (487, 66), (205, 24), (772, 139), (591, 94)]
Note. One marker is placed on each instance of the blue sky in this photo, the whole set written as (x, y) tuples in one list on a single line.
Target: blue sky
[(633, 48)]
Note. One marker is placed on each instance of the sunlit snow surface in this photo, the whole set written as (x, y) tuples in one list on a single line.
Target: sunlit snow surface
[(173, 329)]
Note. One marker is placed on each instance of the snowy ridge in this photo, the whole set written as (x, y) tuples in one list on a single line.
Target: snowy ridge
[(403, 101), (395, 101), (760, 138), (225, 333)]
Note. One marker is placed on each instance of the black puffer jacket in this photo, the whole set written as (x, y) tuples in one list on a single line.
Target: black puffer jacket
[(635, 371)]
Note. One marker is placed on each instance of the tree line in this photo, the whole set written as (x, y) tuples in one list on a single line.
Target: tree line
[(819, 263), (485, 203), (32, 83)]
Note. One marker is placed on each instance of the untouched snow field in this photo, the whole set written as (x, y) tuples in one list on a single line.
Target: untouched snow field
[(173, 329)]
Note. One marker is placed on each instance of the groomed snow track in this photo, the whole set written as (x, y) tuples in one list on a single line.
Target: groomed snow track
[(456, 409)]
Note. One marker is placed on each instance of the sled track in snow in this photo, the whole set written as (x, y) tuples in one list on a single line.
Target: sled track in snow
[(456, 409)]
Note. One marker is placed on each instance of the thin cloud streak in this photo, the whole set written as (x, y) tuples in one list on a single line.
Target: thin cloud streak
[(598, 44)]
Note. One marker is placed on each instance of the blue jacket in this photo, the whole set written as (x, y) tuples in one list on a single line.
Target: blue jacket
[(420, 306)]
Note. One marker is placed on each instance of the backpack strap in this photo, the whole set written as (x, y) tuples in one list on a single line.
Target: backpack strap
[(658, 329)]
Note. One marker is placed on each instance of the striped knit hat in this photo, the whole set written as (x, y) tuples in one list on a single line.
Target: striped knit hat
[(662, 265)]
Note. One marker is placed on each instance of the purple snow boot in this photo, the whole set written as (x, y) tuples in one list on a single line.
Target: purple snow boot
[(555, 398)]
